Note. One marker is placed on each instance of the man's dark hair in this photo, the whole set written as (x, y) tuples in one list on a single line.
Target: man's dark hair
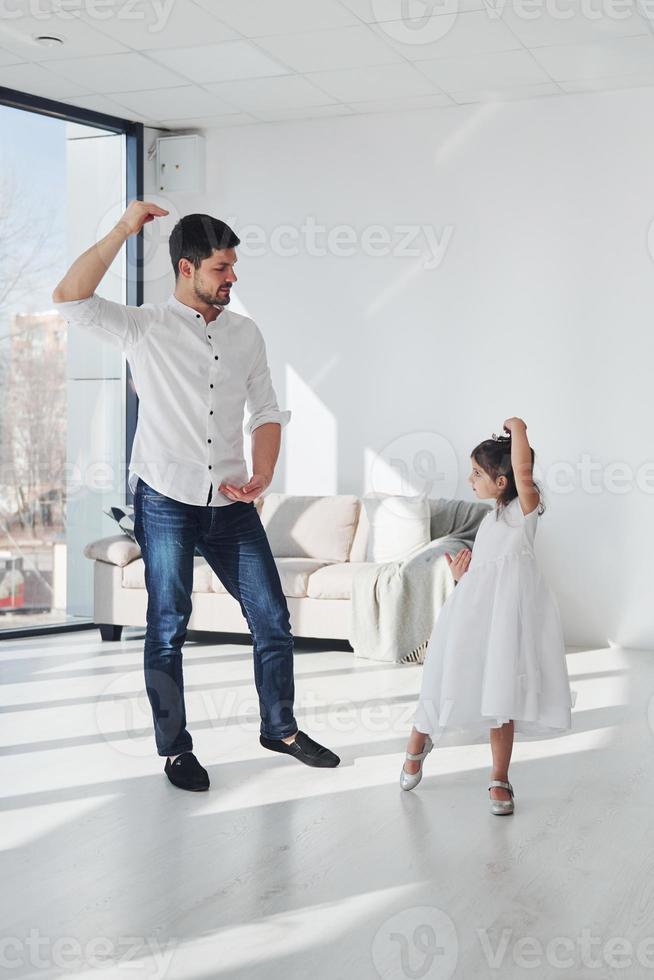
[(196, 236)]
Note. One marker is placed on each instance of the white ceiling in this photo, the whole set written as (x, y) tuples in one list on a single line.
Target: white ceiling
[(198, 63)]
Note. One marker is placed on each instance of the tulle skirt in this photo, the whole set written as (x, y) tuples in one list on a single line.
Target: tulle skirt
[(496, 653)]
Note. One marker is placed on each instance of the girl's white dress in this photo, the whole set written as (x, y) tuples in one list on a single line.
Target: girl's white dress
[(496, 651)]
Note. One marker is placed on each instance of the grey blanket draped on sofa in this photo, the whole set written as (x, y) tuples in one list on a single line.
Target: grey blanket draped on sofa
[(395, 604)]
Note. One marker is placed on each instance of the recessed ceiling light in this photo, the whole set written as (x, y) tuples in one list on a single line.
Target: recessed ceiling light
[(48, 40)]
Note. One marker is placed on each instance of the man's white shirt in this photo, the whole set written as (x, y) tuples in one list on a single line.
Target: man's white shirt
[(194, 380)]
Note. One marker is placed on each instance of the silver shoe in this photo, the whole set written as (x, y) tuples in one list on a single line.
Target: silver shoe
[(500, 807), (409, 780)]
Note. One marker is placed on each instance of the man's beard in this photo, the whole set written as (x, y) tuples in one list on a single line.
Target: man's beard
[(206, 297)]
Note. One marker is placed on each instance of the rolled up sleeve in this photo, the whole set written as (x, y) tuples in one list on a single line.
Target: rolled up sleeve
[(261, 399), (114, 323)]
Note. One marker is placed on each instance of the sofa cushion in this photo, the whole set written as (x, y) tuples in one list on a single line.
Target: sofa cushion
[(310, 527), (399, 525), (359, 548), (293, 572), (334, 581), (134, 575), (118, 549)]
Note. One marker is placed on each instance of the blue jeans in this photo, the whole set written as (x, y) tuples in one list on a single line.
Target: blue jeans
[(233, 541)]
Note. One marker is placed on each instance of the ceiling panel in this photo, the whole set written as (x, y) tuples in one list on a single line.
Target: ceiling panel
[(184, 63), (7, 58), (211, 122), (288, 92), (101, 103), (568, 62), (39, 80), (452, 36), (435, 100), (359, 84), (147, 25), (117, 73), (185, 101), (569, 22), (258, 18), (344, 47), (413, 13), (512, 94), (81, 39), (221, 62), (500, 69), (641, 79), (314, 112)]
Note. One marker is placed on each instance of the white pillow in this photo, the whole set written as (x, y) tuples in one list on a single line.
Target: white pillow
[(398, 525), (310, 527)]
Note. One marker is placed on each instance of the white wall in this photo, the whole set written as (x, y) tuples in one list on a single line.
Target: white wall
[(542, 307)]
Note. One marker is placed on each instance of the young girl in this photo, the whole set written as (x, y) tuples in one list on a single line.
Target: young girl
[(496, 657)]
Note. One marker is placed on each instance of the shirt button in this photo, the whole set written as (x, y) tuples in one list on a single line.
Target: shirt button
[(211, 412), (197, 315), (215, 357), (211, 386), (208, 440), (209, 465), (209, 336)]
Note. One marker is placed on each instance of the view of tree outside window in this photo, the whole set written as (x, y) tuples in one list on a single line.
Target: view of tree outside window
[(36, 387)]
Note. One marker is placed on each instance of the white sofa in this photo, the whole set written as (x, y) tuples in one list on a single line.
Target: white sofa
[(318, 543)]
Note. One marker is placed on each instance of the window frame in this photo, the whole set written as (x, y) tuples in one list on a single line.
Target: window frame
[(134, 138)]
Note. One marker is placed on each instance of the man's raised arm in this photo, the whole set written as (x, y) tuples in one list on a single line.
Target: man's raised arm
[(75, 297), (85, 273)]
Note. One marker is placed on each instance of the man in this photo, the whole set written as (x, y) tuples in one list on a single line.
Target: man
[(195, 366)]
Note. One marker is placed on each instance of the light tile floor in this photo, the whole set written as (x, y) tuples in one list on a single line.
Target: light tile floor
[(282, 871)]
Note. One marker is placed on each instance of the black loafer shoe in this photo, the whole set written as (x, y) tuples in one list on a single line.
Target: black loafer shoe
[(187, 773), (304, 749)]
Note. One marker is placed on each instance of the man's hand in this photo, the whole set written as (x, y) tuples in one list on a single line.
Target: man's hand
[(138, 213), (249, 491), (459, 565), (87, 271)]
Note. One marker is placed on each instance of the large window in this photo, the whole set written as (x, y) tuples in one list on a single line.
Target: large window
[(66, 404)]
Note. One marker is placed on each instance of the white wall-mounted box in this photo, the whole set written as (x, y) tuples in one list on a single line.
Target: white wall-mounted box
[(180, 163)]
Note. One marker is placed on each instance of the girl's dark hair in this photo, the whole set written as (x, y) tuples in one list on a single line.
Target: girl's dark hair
[(196, 236), (494, 457)]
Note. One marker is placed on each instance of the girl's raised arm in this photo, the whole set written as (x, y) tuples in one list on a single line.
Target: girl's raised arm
[(522, 465)]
